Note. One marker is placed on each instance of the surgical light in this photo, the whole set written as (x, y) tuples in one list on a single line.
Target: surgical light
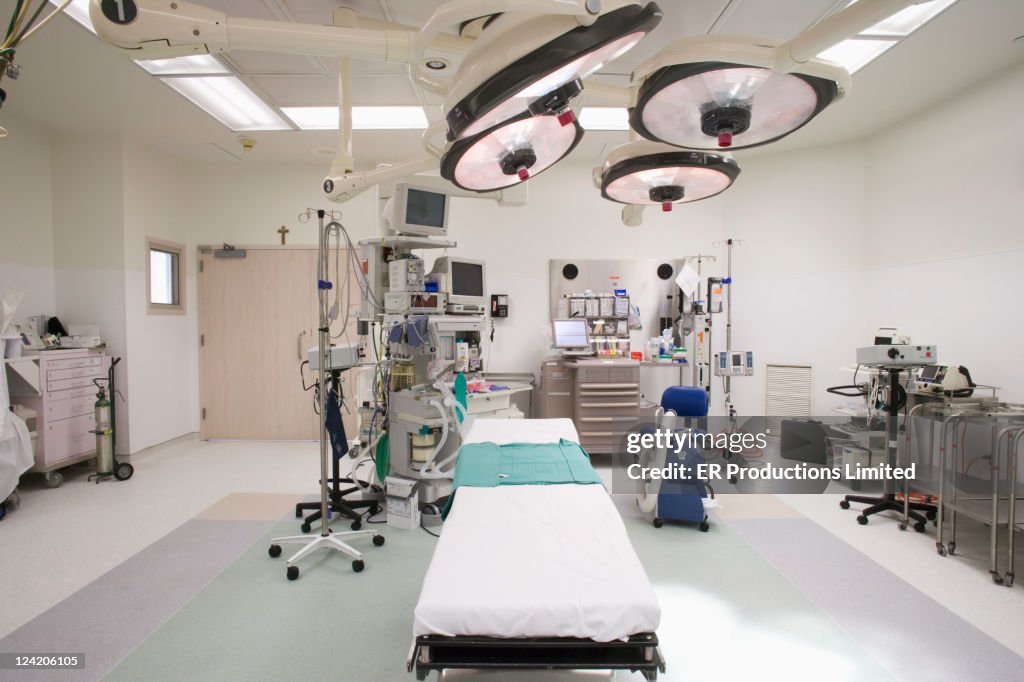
[(646, 173), (712, 93), (509, 153), (491, 89)]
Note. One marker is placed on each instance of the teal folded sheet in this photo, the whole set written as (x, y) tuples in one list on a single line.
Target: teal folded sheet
[(486, 465)]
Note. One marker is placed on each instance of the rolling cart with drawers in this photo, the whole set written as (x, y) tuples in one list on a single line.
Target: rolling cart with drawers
[(58, 385)]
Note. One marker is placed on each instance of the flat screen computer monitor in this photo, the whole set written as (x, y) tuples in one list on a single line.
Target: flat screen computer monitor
[(571, 333), (417, 211)]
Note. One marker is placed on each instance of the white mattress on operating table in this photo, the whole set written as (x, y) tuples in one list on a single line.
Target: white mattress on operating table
[(534, 560)]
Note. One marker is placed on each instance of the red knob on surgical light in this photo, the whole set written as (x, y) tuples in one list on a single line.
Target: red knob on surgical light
[(523, 172), (566, 117), (725, 139), (666, 206)]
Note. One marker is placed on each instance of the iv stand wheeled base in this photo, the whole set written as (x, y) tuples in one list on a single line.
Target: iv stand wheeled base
[(330, 541)]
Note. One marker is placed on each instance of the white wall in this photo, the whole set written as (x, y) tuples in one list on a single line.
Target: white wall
[(798, 273), (163, 369), (944, 230), (88, 234), (564, 218), (26, 218)]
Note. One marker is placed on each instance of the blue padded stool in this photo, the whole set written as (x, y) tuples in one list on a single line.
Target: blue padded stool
[(683, 499)]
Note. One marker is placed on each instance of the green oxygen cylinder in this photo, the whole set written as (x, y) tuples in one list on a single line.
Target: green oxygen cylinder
[(460, 393), (104, 434)]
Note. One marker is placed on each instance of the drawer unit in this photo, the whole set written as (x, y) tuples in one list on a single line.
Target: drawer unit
[(65, 405), (79, 382), (75, 373), (70, 407), (66, 438), (488, 402), (606, 402), (96, 361)]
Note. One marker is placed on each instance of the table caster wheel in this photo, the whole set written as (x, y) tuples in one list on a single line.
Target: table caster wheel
[(940, 549), (903, 525), (305, 527), (53, 479), (997, 579), (378, 540), (844, 504), (919, 526), (274, 551), (952, 548), (358, 565), (1008, 580), (862, 520), (123, 471), (293, 573), (357, 524), (658, 523), (931, 516), (704, 526)]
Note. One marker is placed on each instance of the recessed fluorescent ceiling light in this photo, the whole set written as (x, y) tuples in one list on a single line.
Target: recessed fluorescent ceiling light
[(906, 21), (363, 118), (228, 100), (77, 10), (184, 66), (604, 118), (856, 53)]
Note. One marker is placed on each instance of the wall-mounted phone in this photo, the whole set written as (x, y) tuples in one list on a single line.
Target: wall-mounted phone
[(499, 305), (29, 338)]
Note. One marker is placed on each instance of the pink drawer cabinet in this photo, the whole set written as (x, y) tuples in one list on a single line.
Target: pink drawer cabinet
[(64, 402)]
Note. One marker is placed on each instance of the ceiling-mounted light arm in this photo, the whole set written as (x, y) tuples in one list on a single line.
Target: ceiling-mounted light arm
[(457, 11), (434, 130), (344, 161), (850, 21), (611, 95), (632, 215), (156, 29), (341, 188)]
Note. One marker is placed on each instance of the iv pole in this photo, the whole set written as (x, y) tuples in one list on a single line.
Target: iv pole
[(326, 539)]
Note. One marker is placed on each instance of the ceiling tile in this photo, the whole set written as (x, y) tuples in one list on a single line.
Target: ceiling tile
[(776, 19), (297, 91), (248, 62)]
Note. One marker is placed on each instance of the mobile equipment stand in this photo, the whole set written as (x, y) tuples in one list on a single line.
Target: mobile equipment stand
[(338, 504), (327, 539), (920, 512)]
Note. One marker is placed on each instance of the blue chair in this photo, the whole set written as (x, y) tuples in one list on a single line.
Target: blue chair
[(683, 500), (685, 401)]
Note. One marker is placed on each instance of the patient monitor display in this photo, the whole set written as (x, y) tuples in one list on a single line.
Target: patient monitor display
[(464, 282), (418, 211), (570, 334)]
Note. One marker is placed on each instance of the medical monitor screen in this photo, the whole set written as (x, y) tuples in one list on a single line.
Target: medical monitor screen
[(467, 279), (928, 372), (424, 208), (570, 333)]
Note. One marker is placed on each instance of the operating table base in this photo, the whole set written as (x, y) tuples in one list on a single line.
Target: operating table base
[(890, 503)]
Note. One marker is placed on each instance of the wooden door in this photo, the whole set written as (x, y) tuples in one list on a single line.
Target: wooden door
[(255, 325), (258, 318)]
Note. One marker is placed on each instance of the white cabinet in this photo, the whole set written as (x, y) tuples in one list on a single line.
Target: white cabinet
[(59, 386)]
